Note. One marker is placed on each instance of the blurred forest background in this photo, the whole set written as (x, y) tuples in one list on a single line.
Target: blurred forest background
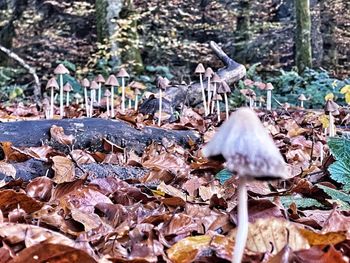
[(169, 37)]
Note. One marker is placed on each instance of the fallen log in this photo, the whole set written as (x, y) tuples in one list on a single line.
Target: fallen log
[(89, 134), (33, 168)]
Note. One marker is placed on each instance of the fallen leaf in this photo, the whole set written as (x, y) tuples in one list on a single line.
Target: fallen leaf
[(57, 134), (64, 169)]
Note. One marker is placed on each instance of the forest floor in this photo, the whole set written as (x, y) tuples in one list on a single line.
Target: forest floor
[(182, 207)]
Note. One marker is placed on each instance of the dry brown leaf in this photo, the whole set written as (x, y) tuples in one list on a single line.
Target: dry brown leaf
[(57, 134), (10, 200), (316, 239), (64, 169), (7, 169)]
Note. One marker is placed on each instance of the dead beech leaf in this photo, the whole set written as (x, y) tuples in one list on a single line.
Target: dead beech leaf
[(53, 253), (316, 239), (89, 220), (7, 169), (40, 188), (206, 192), (337, 222), (57, 134), (10, 200), (82, 157), (64, 169), (269, 233), (11, 154), (172, 191), (187, 249), (39, 153)]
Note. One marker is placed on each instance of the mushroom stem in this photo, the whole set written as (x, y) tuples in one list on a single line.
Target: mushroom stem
[(218, 110), (123, 95), (129, 105), (209, 94), (251, 102), (242, 231), (91, 108), (67, 99), (107, 104), (99, 94), (160, 108), (61, 96), (226, 105), (331, 125), (268, 100), (52, 102), (136, 102), (86, 102), (302, 104), (321, 154), (112, 101), (203, 95), (213, 102)]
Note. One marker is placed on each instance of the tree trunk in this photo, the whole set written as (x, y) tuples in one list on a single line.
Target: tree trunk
[(303, 53)]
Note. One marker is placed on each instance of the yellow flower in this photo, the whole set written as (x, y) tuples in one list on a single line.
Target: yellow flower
[(345, 89), (324, 120), (329, 96)]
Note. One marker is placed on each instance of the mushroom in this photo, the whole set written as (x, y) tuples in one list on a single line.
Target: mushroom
[(302, 98), (248, 150), (250, 95), (93, 86), (137, 86), (52, 85), (200, 70), (113, 82), (332, 109), (162, 84), (86, 83), (224, 88), (46, 108), (100, 80), (67, 88), (77, 98), (60, 70), (216, 99), (107, 94), (269, 89), (261, 101), (208, 74), (123, 74), (216, 80)]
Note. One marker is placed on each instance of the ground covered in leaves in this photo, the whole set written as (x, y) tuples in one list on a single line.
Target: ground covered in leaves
[(183, 208)]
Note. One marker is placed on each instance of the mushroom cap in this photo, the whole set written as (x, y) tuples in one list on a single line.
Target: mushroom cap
[(52, 83), (77, 96), (137, 92), (302, 97), (122, 73), (107, 93), (100, 79), (67, 87), (269, 86), (262, 99), (217, 97), (249, 93), (260, 85), (112, 81), (331, 107), (216, 78), (60, 70), (137, 85), (85, 83), (247, 147), (208, 73), (94, 85), (223, 88), (162, 83), (248, 82), (199, 69)]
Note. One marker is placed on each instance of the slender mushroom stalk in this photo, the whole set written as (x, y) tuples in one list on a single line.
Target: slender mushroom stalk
[(208, 74), (46, 108), (332, 109), (86, 83), (302, 98), (100, 80), (77, 98), (113, 82), (249, 151), (162, 84), (200, 70), (216, 99), (94, 87), (123, 74), (269, 89), (67, 88), (137, 87), (52, 85), (224, 88), (216, 80), (107, 94), (60, 70)]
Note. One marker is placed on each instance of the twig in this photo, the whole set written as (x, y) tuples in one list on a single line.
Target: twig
[(37, 93)]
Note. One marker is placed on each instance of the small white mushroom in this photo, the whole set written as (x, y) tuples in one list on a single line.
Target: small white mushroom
[(60, 70)]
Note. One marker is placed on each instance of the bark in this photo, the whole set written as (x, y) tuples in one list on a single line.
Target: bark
[(89, 134), (32, 168), (303, 52)]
